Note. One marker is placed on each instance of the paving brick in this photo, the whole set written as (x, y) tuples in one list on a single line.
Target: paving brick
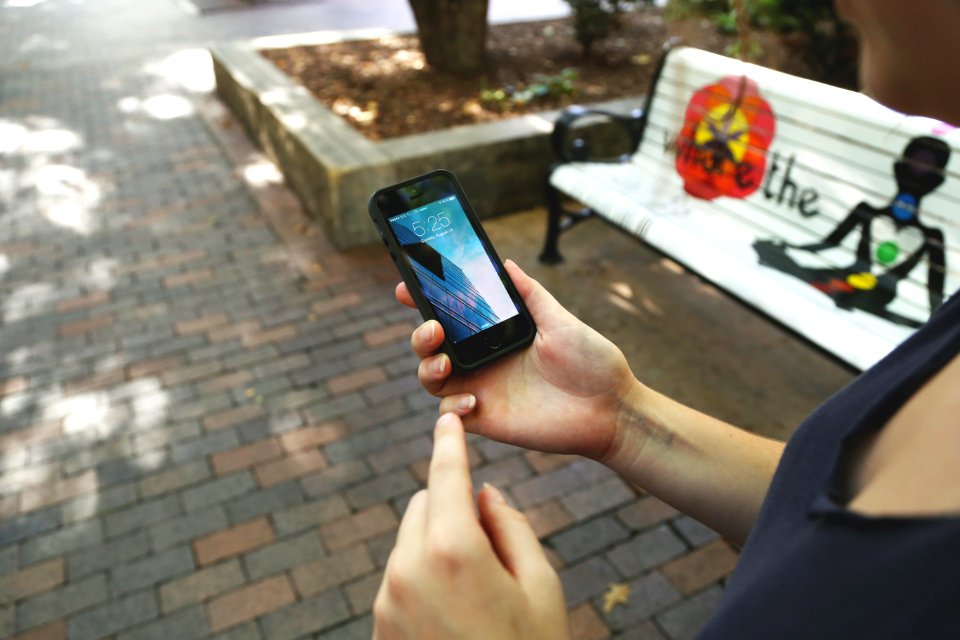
[(30, 581), (75, 536), (283, 555), (587, 579), (597, 498), (646, 550), (230, 417), (359, 629), (336, 303), (702, 567), (262, 502), (45, 495), (645, 513), (684, 621), (236, 540), (189, 373), (554, 484), (9, 560), (53, 631), (694, 532), (202, 323), (114, 616), (547, 462), (585, 624), (217, 490), (644, 631), (209, 444), (151, 570), (182, 528), (649, 594), (35, 434), (80, 327), (153, 366), (201, 585), (588, 538), (548, 518), (355, 380), (142, 515), (92, 559), (390, 333), (227, 381), (187, 624), (359, 527), (381, 488), (306, 617), (361, 593), (341, 567), (250, 602), (310, 515), (502, 473), (401, 454), (314, 435), (188, 277), (335, 408), (245, 457), (292, 466), (61, 602), (174, 478)]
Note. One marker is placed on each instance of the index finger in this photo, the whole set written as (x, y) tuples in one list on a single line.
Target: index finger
[(450, 489)]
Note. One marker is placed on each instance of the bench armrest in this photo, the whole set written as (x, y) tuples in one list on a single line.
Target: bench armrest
[(577, 149)]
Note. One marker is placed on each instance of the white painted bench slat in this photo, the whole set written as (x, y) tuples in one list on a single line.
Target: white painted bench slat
[(838, 149)]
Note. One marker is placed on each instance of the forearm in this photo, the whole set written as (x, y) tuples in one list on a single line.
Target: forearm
[(708, 469)]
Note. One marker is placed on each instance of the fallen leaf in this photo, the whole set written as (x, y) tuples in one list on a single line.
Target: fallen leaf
[(300, 228), (617, 593), (316, 268), (641, 59), (251, 392)]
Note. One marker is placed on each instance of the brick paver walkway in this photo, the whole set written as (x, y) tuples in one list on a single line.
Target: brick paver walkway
[(210, 422)]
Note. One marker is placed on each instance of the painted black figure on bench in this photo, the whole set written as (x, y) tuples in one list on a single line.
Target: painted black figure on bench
[(891, 237)]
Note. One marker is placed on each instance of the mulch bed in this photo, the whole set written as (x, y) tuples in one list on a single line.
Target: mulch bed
[(384, 89)]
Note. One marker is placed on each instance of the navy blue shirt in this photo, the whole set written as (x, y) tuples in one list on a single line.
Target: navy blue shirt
[(813, 569)]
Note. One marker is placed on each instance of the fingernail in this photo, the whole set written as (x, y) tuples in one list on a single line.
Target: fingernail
[(439, 365), (466, 403), (495, 494)]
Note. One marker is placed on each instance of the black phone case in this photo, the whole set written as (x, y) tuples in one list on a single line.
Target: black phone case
[(413, 284)]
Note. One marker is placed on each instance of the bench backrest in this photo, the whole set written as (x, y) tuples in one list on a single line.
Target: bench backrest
[(839, 198)]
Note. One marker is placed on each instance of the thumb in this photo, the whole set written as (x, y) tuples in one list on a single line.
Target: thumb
[(544, 308), (512, 536)]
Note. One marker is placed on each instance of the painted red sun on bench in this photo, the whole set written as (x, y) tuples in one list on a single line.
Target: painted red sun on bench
[(722, 147)]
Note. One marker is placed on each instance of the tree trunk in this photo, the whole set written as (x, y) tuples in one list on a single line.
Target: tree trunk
[(453, 33)]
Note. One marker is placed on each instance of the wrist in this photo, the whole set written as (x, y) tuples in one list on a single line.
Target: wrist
[(637, 430)]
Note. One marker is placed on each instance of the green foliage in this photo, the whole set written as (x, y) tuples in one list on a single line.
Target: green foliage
[(507, 97), (825, 42), (596, 19)]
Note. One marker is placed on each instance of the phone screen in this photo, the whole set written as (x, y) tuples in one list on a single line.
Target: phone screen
[(459, 279)]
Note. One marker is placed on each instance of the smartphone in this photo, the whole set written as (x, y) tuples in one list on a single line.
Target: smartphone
[(451, 269)]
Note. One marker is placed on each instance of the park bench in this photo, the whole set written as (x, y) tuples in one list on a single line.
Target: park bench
[(819, 207)]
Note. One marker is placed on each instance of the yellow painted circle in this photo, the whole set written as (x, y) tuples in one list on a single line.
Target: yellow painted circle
[(864, 281), (733, 129)]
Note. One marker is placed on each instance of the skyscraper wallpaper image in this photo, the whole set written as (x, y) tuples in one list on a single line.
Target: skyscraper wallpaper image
[(454, 271)]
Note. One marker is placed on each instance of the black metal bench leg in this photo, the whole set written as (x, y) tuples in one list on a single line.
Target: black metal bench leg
[(551, 253)]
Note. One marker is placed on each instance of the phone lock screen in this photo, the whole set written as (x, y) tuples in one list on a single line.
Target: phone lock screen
[(455, 273), (450, 268)]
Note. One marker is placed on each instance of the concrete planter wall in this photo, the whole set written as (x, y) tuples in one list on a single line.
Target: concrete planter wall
[(334, 169)]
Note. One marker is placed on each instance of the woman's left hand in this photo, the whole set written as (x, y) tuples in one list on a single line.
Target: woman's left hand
[(453, 575)]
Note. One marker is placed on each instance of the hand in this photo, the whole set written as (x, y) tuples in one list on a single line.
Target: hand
[(562, 394), (453, 576)]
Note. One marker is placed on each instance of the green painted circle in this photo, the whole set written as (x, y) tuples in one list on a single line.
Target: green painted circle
[(887, 252)]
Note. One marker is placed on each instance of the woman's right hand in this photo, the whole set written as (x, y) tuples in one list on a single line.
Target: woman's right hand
[(564, 393)]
